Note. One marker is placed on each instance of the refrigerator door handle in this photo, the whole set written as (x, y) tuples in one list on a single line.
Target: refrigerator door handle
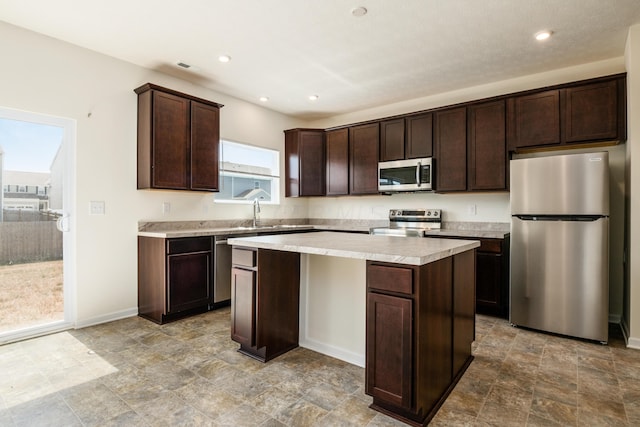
[(585, 218)]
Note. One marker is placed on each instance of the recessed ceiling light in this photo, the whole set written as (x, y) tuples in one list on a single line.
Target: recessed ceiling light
[(359, 11), (313, 97), (264, 99), (543, 35), (224, 58)]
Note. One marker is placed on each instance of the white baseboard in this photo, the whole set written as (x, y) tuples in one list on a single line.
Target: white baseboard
[(338, 353), (633, 343), (34, 331), (110, 317)]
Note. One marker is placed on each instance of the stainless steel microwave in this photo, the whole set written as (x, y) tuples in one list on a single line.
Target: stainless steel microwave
[(405, 175)]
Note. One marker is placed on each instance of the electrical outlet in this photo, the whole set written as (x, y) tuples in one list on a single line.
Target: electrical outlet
[(166, 208), (96, 207)]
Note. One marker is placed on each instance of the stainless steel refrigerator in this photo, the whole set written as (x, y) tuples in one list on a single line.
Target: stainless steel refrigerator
[(560, 244)]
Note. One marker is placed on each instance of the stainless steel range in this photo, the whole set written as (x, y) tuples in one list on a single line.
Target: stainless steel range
[(410, 222)]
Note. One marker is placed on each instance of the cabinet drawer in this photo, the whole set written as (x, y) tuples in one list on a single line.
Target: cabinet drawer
[(178, 246), (391, 279), (493, 246), (243, 257)]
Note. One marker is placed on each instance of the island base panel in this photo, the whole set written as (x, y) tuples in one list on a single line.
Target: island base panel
[(410, 383), (265, 288), (409, 418), (261, 354)]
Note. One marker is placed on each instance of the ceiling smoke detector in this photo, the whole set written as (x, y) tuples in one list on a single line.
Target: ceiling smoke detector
[(359, 11)]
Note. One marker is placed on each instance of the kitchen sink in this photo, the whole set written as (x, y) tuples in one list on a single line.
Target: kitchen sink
[(258, 227), (268, 227)]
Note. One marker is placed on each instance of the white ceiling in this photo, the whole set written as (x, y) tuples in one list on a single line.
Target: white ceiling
[(290, 49)]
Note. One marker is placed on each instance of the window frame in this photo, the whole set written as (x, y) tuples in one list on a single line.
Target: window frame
[(275, 179)]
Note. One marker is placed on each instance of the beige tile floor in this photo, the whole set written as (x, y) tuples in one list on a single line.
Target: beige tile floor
[(134, 372)]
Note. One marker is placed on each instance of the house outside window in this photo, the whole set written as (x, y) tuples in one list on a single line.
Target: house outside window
[(248, 173)]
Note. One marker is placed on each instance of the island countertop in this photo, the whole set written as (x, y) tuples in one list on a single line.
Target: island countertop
[(400, 250)]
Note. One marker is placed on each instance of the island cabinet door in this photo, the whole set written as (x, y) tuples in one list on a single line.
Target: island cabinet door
[(243, 306), (389, 373)]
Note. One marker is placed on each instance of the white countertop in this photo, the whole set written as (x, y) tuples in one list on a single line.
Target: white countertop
[(400, 250), (221, 231), (198, 231)]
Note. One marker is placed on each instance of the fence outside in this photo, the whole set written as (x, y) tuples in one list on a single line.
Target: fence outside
[(22, 242)]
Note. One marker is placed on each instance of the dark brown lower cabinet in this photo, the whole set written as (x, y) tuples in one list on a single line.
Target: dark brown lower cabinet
[(492, 276), (389, 341), (464, 302), (265, 300), (175, 277), (420, 326), (420, 323), (243, 298)]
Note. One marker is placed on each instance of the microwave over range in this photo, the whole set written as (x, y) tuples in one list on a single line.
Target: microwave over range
[(406, 175)]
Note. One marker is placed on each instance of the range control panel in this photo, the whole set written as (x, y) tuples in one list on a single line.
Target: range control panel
[(415, 218)]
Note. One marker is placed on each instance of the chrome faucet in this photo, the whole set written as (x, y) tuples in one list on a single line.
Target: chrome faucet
[(256, 212)]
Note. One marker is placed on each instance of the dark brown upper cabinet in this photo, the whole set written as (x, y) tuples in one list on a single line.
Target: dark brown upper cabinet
[(534, 119), (591, 112), (410, 137), (363, 158), (450, 143), (178, 140), (470, 142), (392, 140), (337, 157), (487, 147), (419, 133), (305, 165)]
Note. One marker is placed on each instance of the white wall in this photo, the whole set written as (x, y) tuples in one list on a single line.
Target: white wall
[(490, 207), (632, 269), (43, 75)]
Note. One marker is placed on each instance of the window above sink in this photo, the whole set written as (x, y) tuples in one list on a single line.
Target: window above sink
[(248, 173)]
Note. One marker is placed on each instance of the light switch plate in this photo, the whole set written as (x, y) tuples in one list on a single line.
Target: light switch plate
[(166, 208), (96, 207)]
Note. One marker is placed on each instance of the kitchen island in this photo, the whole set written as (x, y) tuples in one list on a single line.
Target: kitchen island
[(403, 308)]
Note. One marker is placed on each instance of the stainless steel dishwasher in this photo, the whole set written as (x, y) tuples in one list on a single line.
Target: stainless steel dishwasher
[(222, 269)]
